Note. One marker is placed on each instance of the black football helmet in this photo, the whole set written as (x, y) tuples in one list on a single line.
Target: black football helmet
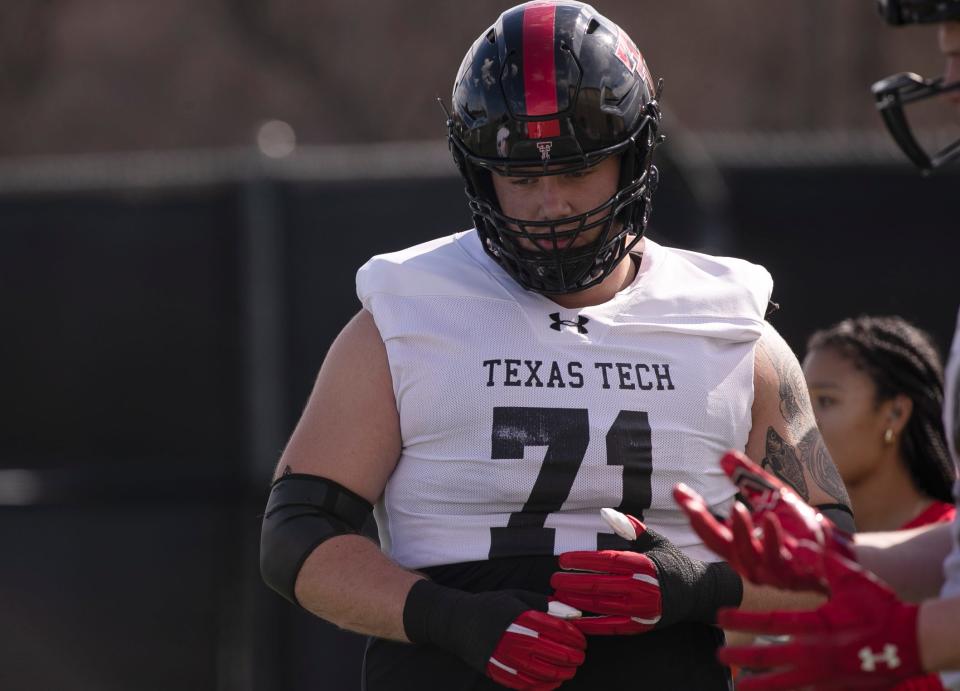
[(896, 91), (554, 87)]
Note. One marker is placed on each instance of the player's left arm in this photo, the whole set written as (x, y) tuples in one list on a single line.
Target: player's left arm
[(784, 438), (656, 584)]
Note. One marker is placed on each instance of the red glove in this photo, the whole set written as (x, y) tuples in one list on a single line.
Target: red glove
[(759, 549), (635, 592), (621, 586), (864, 637), (537, 652)]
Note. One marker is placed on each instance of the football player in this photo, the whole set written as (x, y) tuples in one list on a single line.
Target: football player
[(501, 385), (900, 90), (871, 633)]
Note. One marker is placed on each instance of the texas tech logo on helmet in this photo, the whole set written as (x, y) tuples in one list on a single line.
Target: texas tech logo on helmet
[(628, 53)]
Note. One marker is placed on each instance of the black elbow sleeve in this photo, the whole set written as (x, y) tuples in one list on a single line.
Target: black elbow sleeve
[(304, 511)]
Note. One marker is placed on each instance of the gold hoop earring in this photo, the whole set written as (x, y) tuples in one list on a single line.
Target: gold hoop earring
[(888, 436)]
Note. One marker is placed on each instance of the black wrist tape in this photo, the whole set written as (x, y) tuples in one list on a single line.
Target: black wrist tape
[(466, 624), (721, 587), (693, 590)]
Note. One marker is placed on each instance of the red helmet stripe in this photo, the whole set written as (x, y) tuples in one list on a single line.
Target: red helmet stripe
[(539, 68)]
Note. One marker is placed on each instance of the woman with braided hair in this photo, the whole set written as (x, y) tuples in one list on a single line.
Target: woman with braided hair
[(876, 384)]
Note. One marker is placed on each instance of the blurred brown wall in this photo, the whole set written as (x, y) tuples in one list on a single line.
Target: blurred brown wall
[(105, 75)]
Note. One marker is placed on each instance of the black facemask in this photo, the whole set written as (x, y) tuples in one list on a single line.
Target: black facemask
[(899, 90), (896, 92)]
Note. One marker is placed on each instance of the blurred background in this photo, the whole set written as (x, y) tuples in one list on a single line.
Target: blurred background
[(186, 192)]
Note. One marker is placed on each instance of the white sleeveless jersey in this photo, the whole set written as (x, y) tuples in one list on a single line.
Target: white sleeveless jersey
[(951, 423), (521, 419)]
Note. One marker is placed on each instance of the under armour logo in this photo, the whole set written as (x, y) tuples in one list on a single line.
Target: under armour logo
[(579, 325), (869, 660), (544, 149)]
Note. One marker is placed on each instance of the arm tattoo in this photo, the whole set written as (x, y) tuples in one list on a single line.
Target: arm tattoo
[(790, 384), (787, 461), (782, 460), (814, 455)]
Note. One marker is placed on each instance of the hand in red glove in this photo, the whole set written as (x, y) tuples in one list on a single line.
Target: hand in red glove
[(620, 586), (516, 637), (538, 651), (864, 637), (761, 550), (633, 592)]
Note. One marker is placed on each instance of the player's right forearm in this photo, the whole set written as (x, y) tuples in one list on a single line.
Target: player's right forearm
[(349, 582), (909, 560), (506, 635)]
